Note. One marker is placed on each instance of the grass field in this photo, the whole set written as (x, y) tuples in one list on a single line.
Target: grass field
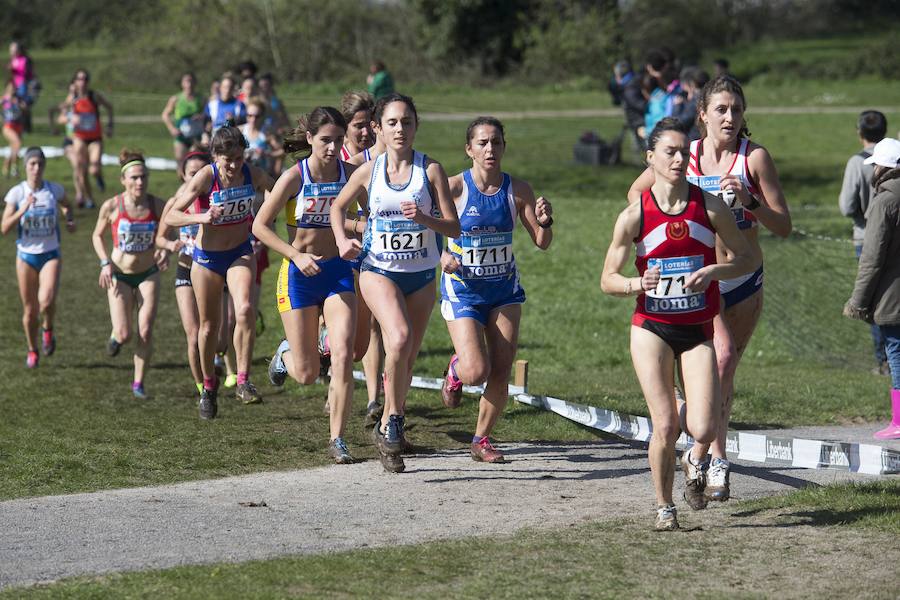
[(72, 425)]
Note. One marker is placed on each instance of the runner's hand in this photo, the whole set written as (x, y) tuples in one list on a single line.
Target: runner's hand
[(699, 280), (650, 279), (543, 210), (735, 185), (161, 256), (106, 278), (307, 263), (212, 215), (349, 248), (411, 210), (449, 264)]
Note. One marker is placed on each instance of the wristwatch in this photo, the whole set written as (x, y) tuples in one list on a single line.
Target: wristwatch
[(105, 262), (754, 203), (546, 225)]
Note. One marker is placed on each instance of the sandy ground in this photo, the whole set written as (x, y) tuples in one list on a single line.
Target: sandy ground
[(335, 508)]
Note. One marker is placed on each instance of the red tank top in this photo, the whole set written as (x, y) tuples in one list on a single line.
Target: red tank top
[(679, 245), (130, 235), (88, 127)]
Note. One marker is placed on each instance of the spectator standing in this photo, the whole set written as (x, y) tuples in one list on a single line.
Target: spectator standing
[(876, 295), (622, 74), (379, 81), (856, 191), (661, 65), (276, 115)]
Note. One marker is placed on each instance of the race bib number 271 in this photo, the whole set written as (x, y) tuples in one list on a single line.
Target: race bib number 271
[(671, 295)]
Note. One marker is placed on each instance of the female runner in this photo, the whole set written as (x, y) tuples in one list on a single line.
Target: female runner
[(183, 117), (263, 148), (481, 298), (130, 273), (184, 246), (32, 207), (84, 111), (409, 206), (725, 162), (313, 277), (225, 193), (674, 229)]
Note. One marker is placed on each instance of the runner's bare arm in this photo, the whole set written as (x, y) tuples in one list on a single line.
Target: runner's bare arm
[(199, 184), (263, 224), (742, 258), (167, 115), (448, 223), (612, 281), (165, 235), (773, 211), (354, 188), (528, 208)]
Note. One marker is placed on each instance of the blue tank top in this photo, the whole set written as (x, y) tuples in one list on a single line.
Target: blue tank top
[(484, 251)]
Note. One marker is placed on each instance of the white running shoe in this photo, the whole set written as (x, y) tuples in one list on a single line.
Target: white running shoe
[(666, 518), (717, 486)]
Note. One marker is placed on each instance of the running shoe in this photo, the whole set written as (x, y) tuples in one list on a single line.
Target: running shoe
[(31, 359), (230, 381), (717, 487), (208, 405), (451, 387), (388, 444), (89, 203), (667, 518), (113, 346), (338, 450), (277, 369), (137, 389), (48, 342), (484, 451), (694, 481), (247, 393), (199, 386), (373, 414)]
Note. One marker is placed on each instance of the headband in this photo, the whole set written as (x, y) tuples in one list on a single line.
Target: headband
[(130, 164)]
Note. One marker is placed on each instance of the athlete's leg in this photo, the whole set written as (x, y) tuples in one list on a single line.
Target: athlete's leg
[(502, 334), (301, 328), (208, 287), (241, 275), (654, 364), (190, 322), (148, 300), (179, 150), (15, 144), (363, 327), (225, 344), (702, 393), (473, 365), (47, 292), (373, 361), (740, 320), (391, 313), (121, 307), (28, 293), (95, 155), (418, 306), (340, 317), (80, 169)]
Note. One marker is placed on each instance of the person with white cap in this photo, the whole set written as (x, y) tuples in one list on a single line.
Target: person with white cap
[(876, 295)]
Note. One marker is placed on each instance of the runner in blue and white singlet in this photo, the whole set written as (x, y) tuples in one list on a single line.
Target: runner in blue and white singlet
[(410, 208), (32, 207), (481, 295)]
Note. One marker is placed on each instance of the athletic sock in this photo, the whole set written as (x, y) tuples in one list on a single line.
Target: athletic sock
[(135, 385), (242, 377), (476, 439), (209, 383)]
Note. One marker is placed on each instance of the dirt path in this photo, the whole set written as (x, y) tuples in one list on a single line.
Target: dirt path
[(340, 508)]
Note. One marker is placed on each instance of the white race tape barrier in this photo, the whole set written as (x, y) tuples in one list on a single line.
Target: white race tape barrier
[(752, 447), (152, 162)]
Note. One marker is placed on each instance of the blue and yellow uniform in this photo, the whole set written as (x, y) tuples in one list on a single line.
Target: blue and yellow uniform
[(310, 208), (487, 277)]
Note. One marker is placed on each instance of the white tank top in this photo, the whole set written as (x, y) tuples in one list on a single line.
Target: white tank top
[(392, 242), (38, 229), (710, 183), (310, 208)]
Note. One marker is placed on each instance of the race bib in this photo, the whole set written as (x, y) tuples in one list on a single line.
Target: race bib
[(671, 296), (399, 240), (486, 255), (317, 200), (135, 238), (12, 112), (86, 121), (710, 183), (236, 203), (38, 223)]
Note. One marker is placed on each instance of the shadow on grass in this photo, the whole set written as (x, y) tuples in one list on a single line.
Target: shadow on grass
[(814, 518), (769, 475)]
